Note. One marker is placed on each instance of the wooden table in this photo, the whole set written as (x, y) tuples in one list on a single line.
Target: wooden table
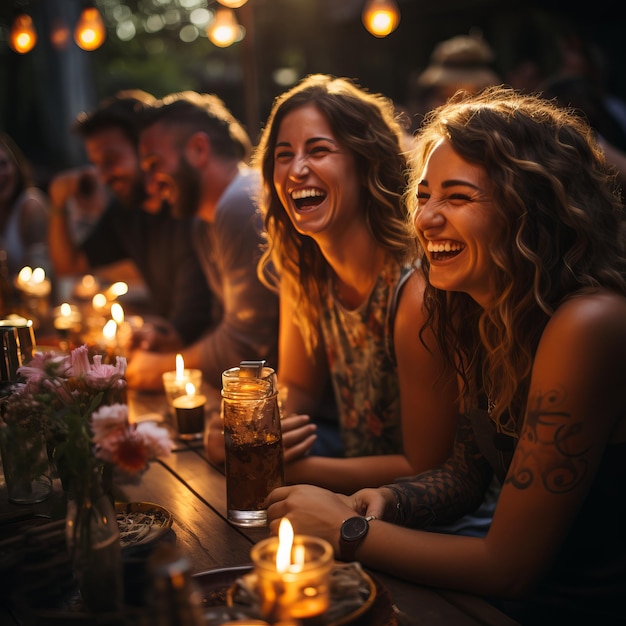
[(194, 491)]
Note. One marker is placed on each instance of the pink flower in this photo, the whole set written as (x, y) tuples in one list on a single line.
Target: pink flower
[(102, 376), (130, 454), (79, 358), (107, 421), (42, 367), (156, 439)]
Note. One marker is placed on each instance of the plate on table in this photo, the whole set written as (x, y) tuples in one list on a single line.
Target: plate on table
[(141, 522), (219, 588)]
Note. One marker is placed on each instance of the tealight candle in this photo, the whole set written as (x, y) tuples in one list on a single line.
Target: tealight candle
[(190, 413), (66, 316), (293, 574), (174, 382), (33, 282)]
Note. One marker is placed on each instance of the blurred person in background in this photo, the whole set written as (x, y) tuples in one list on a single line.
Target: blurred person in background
[(462, 62), (194, 152), (126, 223), (24, 212)]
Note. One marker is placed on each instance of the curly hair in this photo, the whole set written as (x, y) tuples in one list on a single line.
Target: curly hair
[(365, 124), (560, 216)]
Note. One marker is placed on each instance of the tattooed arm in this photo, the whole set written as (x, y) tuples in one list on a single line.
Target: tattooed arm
[(576, 407), (442, 495)]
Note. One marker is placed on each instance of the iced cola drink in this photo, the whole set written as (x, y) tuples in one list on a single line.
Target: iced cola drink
[(253, 439)]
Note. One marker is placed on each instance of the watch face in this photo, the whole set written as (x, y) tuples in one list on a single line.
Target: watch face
[(354, 528)]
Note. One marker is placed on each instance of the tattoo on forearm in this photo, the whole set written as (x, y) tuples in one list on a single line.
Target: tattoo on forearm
[(551, 449), (443, 495)]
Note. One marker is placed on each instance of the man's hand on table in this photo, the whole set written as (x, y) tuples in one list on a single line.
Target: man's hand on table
[(145, 369)]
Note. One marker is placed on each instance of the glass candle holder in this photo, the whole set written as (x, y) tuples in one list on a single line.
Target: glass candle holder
[(302, 590), (175, 385)]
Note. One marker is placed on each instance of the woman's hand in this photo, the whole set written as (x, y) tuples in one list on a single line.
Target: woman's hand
[(381, 503), (298, 436), (311, 511)]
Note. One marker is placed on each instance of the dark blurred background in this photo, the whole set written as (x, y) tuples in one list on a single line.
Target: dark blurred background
[(154, 45)]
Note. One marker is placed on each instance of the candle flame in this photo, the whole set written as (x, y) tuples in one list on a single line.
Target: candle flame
[(99, 301), (118, 289), (285, 542), (110, 329), (180, 367), (117, 312), (66, 309), (190, 388), (39, 275), (25, 274)]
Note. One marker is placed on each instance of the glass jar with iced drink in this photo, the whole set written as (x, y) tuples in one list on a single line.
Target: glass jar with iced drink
[(253, 440)]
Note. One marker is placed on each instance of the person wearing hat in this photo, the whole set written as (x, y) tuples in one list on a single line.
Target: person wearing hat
[(462, 62)]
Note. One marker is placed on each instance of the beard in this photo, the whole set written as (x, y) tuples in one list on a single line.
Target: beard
[(135, 196), (189, 184)]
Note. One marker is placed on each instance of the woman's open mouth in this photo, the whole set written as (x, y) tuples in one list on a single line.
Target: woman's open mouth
[(444, 250)]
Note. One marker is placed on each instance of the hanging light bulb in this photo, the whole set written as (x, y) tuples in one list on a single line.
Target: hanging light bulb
[(224, 30), (90, 32), (23, 36), (380, 17), (232, 4)]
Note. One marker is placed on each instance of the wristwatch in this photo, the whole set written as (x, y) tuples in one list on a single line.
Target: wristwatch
[(353, 531)]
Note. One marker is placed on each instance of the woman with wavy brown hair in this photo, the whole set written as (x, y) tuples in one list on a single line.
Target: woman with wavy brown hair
[(340, 254), (522, 228)]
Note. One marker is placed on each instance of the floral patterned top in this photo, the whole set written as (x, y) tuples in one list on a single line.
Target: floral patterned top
[(364, 373)]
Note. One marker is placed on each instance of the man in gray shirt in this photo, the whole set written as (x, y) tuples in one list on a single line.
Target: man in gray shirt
[(193, 152)]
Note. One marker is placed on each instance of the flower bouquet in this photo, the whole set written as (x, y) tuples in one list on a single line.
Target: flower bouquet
[(78, 404)]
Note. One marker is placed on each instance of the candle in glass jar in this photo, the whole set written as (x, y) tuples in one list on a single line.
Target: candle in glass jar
[(293, 574), (174, 382)]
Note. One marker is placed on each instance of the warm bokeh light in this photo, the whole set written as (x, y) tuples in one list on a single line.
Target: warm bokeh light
[(224, 30), (23, 36), (99, 301), (117, 312), (59, 34), (381, 17), (90, 32)]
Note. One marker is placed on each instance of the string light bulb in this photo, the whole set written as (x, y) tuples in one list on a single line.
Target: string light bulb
[(380, 17), (23, 36), (224, 30), (232, 4), (90, 32)]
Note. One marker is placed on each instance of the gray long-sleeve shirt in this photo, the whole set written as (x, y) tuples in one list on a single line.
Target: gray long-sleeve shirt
[(229, 250)]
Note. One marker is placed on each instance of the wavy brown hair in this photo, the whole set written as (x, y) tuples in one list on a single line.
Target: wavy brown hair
[(561, 223), (366, 124)]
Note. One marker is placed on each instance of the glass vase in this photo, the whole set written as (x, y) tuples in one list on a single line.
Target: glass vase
[(93, 540), (25, 465)]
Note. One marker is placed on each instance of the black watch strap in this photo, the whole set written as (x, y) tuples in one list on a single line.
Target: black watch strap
[(353, 531)]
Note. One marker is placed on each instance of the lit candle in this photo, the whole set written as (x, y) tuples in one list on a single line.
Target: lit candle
[(293, 574), (33, 282), (66, 317), (86, 288), (99, 301), (190, 413), (174, 382), (116, 290), (109, 334)]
